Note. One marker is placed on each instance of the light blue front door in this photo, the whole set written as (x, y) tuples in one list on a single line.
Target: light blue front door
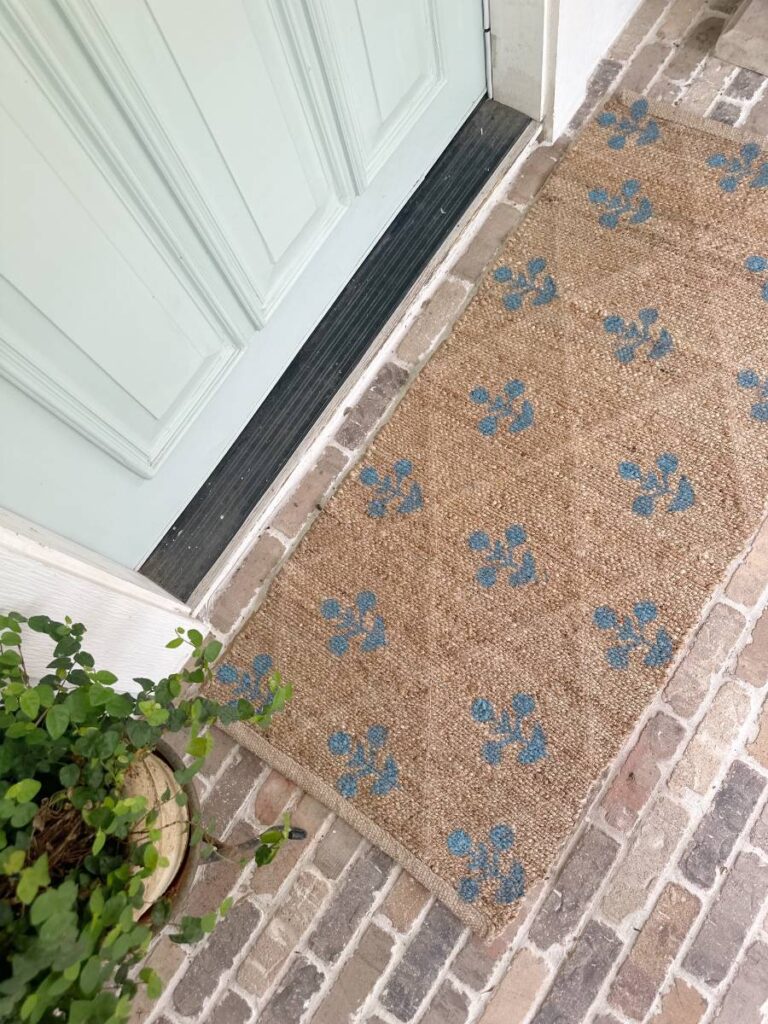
[(187, 186)]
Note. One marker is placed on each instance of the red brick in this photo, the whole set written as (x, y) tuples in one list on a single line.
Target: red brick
[(681, 1004), (752, 665), (709, 650), (642, 973), (580, 976), (640, 772), (759, 746), (272, 797)]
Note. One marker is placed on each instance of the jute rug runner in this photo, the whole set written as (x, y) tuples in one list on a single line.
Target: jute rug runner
[(486, 606)]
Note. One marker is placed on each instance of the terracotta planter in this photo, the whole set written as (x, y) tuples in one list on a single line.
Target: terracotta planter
[(150, 778)]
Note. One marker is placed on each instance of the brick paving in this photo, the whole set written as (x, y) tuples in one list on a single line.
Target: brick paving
[(658, 910)]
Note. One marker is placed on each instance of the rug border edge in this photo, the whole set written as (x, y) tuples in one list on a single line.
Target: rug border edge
[(475, 920)]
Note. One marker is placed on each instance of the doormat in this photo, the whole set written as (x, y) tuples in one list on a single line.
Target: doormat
[(487, 605)]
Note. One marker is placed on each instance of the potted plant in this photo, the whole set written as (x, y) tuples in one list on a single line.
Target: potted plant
[(96, 818)]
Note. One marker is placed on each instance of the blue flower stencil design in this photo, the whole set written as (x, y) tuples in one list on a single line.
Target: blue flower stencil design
[(511, 727), (638, 126), (634, 636), (759, 265), (510, 408), (359, 620), (252, 687), (639, 335), (628, 204), (532, 281), (396, 490), (749, 380), (488, 864), (502, 555), (658, 486), (747, 167), (367, 761)]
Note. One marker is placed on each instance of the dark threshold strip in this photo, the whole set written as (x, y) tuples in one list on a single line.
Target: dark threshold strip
[(218, 510)]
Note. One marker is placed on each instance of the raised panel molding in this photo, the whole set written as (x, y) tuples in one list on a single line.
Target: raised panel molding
[(41, 358), (372, 135)]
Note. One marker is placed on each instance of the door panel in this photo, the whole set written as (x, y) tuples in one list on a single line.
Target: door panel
[(183, 193), (383, 74)]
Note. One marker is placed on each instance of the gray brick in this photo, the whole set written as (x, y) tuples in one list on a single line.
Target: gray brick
[(232, 1009), (254, 571), (687, 687), (336, 849), (694, 49), (449, 1006), (759, 836), (226, 796), (345, 912), (217, 956), (576, 884), (749, 989), (726, 112), (308, 497), (364, 416), (744, 85), (500, 222), (580, 976), (359, 975), (216, 880), (602, 79), (291, 999), (722, 934), (415, 974), (720, 827), (433, 321)]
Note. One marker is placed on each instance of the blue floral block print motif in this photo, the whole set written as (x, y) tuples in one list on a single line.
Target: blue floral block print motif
[(500, 555), (759, 265), (392, 490), (510, 408), (749, 380), (253, 687), (637, 336), (367, 761), (634, 635), (747, 167), (358, 621), (489, 865), (512, 727), (531, 282), (638, 126), (627, 205), (658, 486)]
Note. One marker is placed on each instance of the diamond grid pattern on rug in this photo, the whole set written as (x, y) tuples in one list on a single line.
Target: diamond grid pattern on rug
[(485, 608)]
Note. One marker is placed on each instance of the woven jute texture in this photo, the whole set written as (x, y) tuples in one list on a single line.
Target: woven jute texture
[(484, 609)]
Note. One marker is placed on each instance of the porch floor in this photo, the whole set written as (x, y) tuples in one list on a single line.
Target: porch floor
[(658, 910)]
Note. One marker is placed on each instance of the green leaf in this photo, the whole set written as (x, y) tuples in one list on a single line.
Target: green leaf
[(69, 775), (98, 842), (46, 694), (200, 746), (107, 678), (208, 921), (23, 791), (152, 980), (29, 702), (119, 705), (32, 879), (10, 639), (38, 623), (176, 642), (150, 857), (212, 651), (12, 861), (195, 636), (225, 906), (57, 720), (90, 976)]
